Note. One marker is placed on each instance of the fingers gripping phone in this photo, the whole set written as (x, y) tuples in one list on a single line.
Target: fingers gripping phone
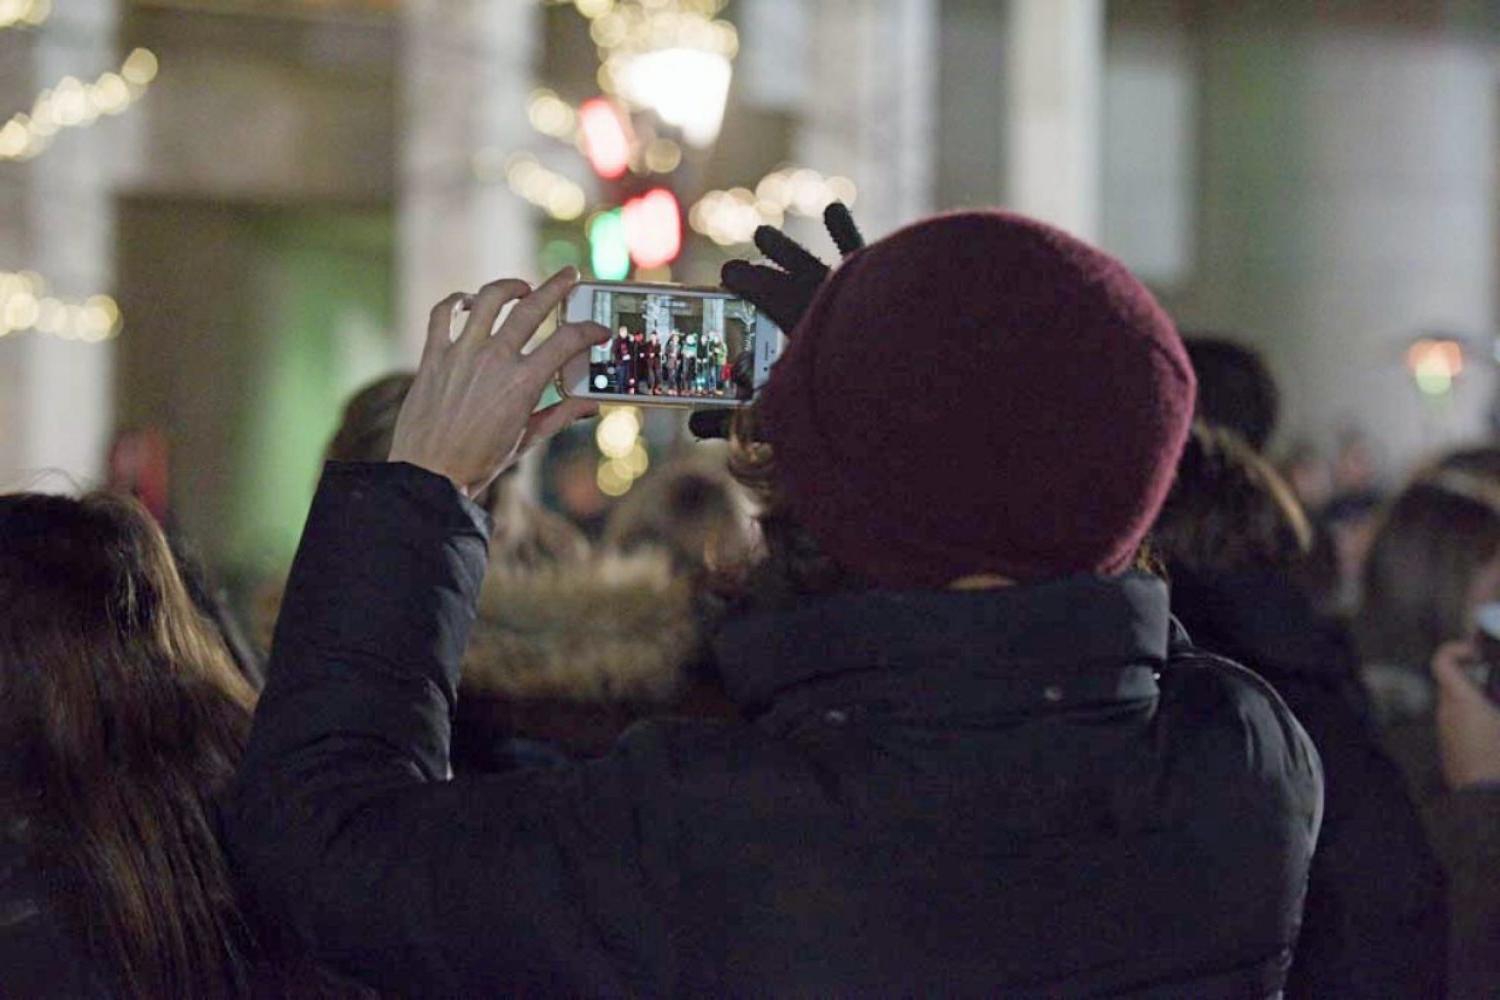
[(670, 345)]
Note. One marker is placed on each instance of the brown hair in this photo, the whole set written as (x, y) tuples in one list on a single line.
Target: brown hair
[(1229, 510), (122, 715), (1235, 388), (793, 565), (1482, 462), (1430, 542), (368, 424)]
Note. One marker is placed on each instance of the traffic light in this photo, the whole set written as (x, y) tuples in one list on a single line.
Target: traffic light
[(609, 256), (1435, 363), (653, 228), (606, 137)]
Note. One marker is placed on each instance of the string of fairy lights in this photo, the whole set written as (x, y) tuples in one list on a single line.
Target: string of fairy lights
[(27, 302), (74, 103), (24, 13), (646, 49), (730, 218), (622, 454)]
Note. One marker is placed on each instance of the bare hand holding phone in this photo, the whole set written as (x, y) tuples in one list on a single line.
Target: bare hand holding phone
[(469, 414)]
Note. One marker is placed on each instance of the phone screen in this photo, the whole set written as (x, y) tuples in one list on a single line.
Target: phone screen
[(675, 346)]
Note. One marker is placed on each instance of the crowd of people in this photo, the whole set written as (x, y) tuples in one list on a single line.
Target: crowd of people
[(1058, 686), (696, 363)]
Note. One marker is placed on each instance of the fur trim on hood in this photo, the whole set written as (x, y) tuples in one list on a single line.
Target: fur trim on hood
[(608, 628), (614, 628)]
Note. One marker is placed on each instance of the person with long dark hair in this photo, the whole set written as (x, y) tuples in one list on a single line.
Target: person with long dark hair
[(1433, 568), (122, 717)]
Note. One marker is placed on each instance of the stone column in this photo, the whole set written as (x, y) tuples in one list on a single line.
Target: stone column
[(466, 68), (871, 108), (1020, 108), (971, 115), (1054, 61), (1348, 204), (57, 219)]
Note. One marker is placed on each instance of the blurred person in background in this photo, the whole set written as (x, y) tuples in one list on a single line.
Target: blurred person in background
[(1434, 563), (690, 510), (1237, 393), (1482, 461), (123, 718), (1468, 725), (1352, 513), (976, 760), (1434, 560), (1356, 470), (1235, 387), (570, 482), (1231, 537), (527, 535), (1308, 473)]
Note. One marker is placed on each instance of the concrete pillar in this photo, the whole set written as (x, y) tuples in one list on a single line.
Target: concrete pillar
[(1348, 203), (1020, 108), (871, 108), (466, 68), (57, 219), (1149, 156), (1054, 62), (971, 115)]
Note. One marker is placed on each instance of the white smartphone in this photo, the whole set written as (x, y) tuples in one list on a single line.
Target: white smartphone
[(672, 345)]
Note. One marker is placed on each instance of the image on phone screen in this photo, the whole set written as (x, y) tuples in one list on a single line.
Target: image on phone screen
[(664, 345)]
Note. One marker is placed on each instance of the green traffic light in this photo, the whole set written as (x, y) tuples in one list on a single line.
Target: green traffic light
[(608, 254)]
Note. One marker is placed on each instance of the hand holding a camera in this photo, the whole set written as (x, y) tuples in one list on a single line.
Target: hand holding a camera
[(469, 414), (1468, 722)]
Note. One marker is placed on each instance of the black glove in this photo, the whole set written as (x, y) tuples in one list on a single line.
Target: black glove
[(783, 293)]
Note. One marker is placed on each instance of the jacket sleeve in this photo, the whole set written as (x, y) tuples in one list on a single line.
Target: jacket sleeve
[(343, 819)]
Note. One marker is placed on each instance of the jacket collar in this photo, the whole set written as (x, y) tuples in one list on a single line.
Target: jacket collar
[(1080, 640)]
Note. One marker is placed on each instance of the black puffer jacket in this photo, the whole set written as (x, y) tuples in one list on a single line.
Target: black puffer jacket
[(1023, 792), (1375, 923)]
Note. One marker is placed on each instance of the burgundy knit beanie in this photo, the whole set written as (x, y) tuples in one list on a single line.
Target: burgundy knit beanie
[(979, 393)]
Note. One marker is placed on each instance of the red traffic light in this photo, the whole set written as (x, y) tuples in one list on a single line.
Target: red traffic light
[(606, 137), (653, 228)]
